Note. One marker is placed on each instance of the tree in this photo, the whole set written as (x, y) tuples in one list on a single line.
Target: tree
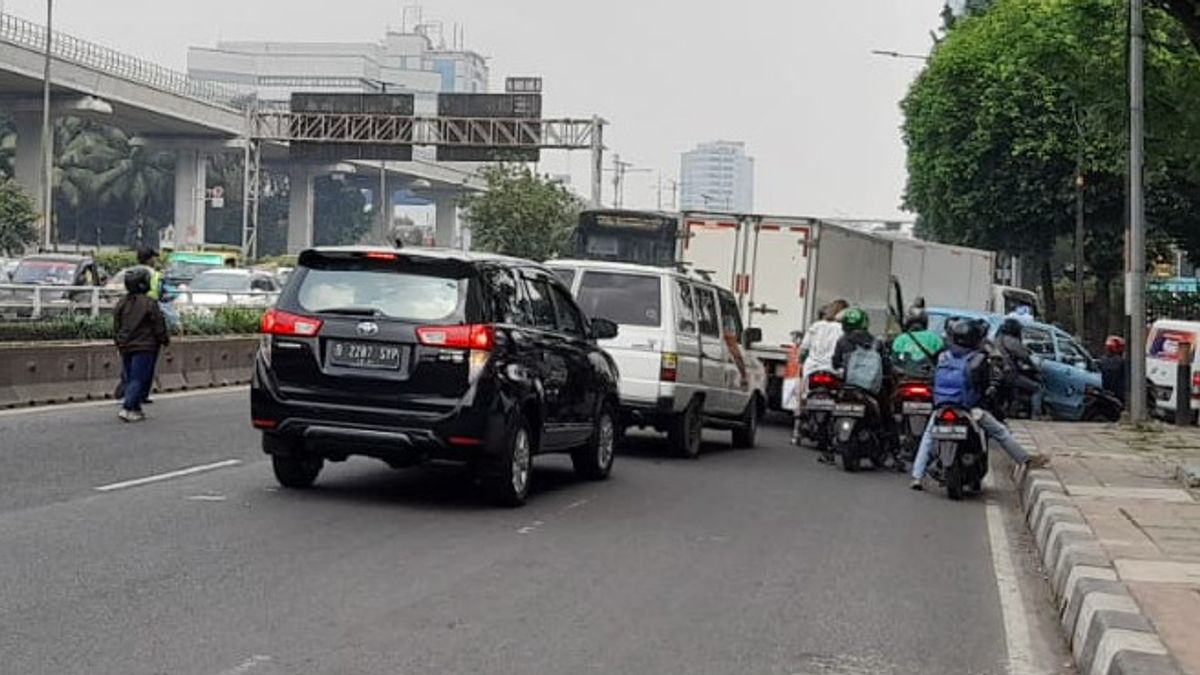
[(17, 218), (522, 214)]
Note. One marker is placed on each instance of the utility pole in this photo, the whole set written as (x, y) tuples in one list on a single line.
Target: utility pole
[(48, 135), (1079, 236), (1135, 283)]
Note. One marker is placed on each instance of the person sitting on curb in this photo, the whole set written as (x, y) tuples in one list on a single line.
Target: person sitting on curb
[(966, 377)]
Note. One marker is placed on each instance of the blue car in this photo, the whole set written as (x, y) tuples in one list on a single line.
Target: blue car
[(1072, 377)]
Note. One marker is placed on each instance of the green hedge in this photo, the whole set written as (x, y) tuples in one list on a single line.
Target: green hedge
[(223, 321)]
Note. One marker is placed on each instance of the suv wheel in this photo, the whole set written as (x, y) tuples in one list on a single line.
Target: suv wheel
[(594, 460), (508, 483), (744, 436), (686, 431), (296, 472)]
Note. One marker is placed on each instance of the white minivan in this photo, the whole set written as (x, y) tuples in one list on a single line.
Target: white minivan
[(1163, 347), (681, 349)]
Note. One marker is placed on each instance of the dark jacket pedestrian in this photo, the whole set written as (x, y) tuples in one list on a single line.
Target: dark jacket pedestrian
[(139, 331)]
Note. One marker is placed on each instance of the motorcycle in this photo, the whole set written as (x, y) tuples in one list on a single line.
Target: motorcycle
[(857, 429), (912, 406), (960, 457), (819, 402)]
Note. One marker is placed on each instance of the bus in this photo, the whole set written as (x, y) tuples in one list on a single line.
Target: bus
[(642, 237)]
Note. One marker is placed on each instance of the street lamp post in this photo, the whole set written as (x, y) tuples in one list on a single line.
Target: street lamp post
[(47, 136), (1135, 284)]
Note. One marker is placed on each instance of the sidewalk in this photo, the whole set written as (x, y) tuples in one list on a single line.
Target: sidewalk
[(1129, 488)]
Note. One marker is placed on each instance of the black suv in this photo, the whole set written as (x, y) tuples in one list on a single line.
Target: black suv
[(410, 355)]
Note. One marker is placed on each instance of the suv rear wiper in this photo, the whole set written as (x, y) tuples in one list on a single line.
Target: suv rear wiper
[(352, 311)]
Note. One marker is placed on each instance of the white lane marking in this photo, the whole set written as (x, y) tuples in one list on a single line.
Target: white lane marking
[(528, 529), (1012, 604), (168, 475), (83, 405), (247, 665)]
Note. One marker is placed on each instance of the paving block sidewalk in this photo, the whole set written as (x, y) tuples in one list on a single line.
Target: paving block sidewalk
[(1116, 522)]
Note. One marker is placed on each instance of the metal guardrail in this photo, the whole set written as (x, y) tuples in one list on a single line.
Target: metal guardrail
[(36, 301), (28, 34)]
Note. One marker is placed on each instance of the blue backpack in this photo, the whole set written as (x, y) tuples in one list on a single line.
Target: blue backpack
[(952, 382)]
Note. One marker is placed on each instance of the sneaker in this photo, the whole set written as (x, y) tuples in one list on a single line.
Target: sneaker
[(1037, 462), (916, 485)]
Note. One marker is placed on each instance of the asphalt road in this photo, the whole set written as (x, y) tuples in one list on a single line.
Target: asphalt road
[(745, 561)]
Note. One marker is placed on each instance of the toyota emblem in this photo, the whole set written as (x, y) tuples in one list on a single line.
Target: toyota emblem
[(367, 328)]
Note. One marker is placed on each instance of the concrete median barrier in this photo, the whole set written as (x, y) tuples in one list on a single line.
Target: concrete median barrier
[(61, 372)]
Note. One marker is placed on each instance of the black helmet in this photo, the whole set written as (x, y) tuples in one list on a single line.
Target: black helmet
[(137, 281), (967, 333), (1011, 326), (916, 319)]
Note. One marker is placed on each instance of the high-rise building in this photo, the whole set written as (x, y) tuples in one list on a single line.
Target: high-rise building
[(717, 176)]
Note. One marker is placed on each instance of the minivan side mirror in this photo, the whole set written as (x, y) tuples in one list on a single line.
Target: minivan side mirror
[(752, 335), (603, 329)]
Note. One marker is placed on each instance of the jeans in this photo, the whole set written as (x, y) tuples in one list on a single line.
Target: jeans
[(992, 428), (139, 376), (1035, 390)]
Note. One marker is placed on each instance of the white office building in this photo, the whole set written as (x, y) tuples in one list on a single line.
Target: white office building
[(717, 176)]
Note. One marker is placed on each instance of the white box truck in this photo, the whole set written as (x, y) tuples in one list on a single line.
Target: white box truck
[(783, 269), (955, 277)]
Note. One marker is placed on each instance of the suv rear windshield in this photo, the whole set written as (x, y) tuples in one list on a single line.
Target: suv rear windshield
[(629, 299), (435, 294)]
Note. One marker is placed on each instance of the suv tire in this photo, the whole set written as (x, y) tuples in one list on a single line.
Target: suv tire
[(686, 431), (296, 471), (594, 460), (507, 481), (744, 435)]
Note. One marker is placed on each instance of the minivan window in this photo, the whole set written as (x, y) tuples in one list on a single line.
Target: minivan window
[(685, 308), (627, 299), (540, 303), (392, 294), (731, 319), (706, 303), (569, 319)]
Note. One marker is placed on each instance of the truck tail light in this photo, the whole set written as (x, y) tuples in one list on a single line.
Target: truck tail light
[(279, 322), (668, 369)]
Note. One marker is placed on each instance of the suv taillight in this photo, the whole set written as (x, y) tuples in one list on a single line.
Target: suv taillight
[(279, 322), (668, 369)]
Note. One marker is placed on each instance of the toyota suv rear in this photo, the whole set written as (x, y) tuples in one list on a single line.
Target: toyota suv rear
[(410, 356)]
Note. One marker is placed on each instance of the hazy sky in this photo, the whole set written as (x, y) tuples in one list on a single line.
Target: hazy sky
[(794, 79)]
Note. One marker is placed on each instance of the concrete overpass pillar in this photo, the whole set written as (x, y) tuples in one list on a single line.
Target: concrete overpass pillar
[(27, 162), (301, 199), (445, 219), (191, 174)]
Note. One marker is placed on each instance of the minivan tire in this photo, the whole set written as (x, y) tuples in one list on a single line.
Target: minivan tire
[(594, 460), (686, 431), (506, 483), (297, 472), (744, 435)]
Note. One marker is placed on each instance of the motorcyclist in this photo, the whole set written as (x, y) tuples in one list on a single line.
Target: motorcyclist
[(1114, 366), (978, 393), (1021, 374), (857, 337), (914, 352)]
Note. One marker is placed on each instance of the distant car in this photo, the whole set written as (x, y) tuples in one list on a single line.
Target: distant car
[(429, 354), (222, 287), (1074, 389)]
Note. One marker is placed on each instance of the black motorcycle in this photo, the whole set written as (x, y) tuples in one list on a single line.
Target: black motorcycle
[(817, 414), (858, 429), (960, 457)]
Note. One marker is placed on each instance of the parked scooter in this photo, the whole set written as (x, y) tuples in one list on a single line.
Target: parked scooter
[(912, 404), (858, 429), (960, 458), (819, 401)]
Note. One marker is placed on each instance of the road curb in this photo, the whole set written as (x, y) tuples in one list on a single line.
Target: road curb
[(1107, 631)]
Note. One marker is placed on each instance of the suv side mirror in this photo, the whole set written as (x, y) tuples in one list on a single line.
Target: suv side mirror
[(603, 329), (752, 335)]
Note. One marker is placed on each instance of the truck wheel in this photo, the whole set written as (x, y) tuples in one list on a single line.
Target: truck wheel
[(594, 460), (744, 436), (296, 472), (507, 481), (686, 431)]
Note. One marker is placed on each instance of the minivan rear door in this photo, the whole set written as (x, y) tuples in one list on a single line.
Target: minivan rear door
[(386, 331)]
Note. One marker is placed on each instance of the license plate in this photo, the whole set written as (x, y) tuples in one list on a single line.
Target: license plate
[(366, 355), (820, 404), (917, 408), (947, 432), (850, 409)]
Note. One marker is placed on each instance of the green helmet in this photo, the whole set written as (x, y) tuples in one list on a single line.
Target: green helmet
[(855, 319)]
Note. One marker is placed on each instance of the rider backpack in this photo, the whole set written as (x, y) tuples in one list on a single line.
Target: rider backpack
[(864, 369), (952, 382)]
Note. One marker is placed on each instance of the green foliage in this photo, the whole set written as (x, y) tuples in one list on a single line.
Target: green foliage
[(522, 214), (223, 321), (17, 218)]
